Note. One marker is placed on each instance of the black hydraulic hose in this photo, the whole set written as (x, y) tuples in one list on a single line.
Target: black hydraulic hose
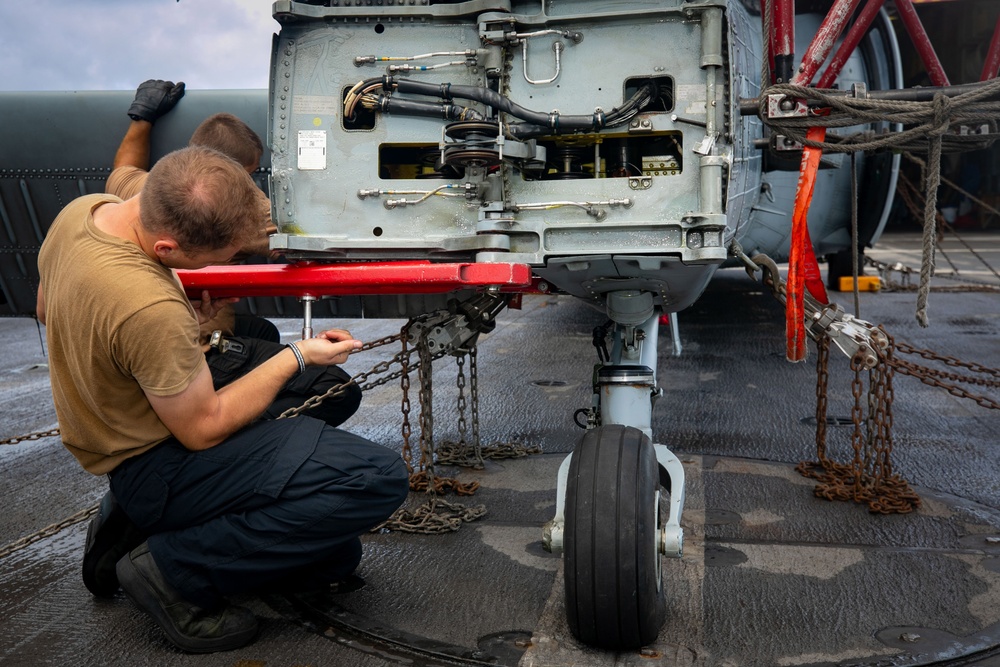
[(443, 110), (490, 98), (537, 122)]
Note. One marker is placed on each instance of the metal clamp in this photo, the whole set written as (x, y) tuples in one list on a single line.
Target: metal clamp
[(850, 334), (223, 345)]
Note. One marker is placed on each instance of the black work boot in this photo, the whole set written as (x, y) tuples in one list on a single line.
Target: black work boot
[(188, 626), (111, 535)]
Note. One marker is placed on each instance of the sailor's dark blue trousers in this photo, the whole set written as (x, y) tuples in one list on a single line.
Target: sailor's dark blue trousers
[(279, 498)]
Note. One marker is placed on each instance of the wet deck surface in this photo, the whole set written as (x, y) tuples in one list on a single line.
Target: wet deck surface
[(771, 575)]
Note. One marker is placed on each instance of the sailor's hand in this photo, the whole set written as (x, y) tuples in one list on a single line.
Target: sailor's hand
[(154, 98), (207, 308), (329, 347)]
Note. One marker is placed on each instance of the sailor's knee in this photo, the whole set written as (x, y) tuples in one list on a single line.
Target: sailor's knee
[(394, 484)]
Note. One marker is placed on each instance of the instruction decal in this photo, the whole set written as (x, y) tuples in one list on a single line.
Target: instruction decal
[(312, 149)]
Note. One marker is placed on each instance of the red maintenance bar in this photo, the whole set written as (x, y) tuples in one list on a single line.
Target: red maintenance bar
[(318, 280)]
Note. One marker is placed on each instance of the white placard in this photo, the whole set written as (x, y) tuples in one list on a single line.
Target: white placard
[(312, 149)]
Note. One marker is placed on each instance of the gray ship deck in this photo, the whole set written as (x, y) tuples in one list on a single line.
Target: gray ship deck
[(771, 575)]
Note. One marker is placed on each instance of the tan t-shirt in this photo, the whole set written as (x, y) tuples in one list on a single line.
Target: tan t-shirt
[(118, 327), (126, 182)]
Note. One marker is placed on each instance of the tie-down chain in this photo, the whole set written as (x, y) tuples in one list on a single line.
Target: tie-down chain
[(869, 476), (452, 332)]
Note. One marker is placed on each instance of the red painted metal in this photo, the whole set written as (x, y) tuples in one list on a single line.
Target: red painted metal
[(992, 65), (782, 38), (857, 31), (824, 39), (921, 42), (783, 19), (310, 279)]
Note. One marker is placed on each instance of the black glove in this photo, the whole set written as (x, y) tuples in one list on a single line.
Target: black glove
[(154, 98)]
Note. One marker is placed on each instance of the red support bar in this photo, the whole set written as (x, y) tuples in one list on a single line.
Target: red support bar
[(309, 279), (868, 13), (838, 16), (783, 39), (922, 42), (992, 64)]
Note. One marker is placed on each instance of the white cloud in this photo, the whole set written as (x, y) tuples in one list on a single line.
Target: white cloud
[(117, 44)]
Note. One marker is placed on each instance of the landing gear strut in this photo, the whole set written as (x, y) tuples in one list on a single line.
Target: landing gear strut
[(608, 520)]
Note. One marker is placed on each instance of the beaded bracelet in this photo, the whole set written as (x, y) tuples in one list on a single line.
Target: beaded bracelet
[(298, 356)]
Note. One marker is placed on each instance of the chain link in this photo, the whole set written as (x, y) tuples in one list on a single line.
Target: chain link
[(433, 517), (474, 397), (869, 477), (38, 435), (949, 361), (462, 403), (404, 385), (48, 531), (359, 379), (939, 378)]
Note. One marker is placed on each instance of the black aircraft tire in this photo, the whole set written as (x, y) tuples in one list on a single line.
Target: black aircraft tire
[(614, 596)]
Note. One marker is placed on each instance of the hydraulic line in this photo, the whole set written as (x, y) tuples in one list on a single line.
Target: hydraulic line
[(537, 122), (388, 104)]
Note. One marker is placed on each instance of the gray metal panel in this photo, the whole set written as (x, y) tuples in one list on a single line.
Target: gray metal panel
[(340, 195)]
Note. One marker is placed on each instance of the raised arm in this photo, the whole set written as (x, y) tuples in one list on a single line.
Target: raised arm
[(133, 151), (153, 99)]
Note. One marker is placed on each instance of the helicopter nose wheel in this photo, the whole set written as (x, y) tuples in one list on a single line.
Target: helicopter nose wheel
[(614, 591)]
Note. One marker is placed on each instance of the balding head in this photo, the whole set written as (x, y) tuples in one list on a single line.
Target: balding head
[(202, 199)]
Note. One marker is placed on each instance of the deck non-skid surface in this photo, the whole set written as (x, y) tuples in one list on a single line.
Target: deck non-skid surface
[(771, 575)]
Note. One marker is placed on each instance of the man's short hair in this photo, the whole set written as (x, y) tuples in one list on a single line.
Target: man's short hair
[(230, 136), (201, 198)]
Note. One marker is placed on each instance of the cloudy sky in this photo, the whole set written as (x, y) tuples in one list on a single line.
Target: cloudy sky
[(118, 44)]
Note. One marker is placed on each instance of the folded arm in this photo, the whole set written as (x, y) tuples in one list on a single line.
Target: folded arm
[(201, 417)]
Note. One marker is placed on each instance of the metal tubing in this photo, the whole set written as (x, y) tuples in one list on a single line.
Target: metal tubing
[(675, 335), (992, 64), (307, 320), (921, 42), (710, 167), (711, 38), (710, 182), (824, 39), (854, 36)]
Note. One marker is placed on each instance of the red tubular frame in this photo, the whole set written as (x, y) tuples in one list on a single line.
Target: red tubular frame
[(317, 280), (822, 43), (992, 64), (922, 42), (782, 38), (854, 36)]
